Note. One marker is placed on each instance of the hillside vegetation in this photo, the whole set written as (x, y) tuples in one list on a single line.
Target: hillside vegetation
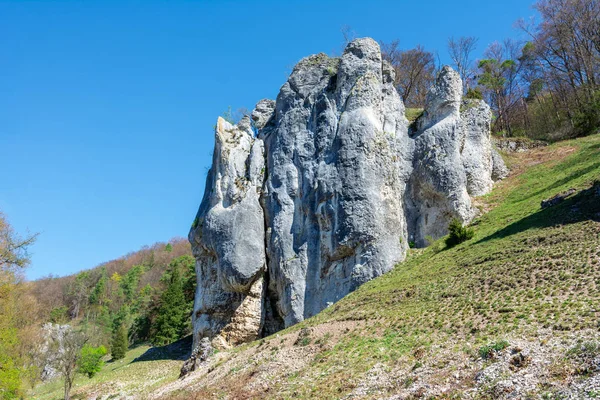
[(129, 292), (513, 310)]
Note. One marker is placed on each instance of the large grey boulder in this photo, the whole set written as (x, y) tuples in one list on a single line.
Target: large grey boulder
[(326, 189)]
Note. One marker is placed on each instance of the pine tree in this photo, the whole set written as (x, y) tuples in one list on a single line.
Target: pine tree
[(99, 291), (120, 343), (171, 321)]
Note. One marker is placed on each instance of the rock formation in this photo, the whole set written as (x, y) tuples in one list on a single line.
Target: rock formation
[(330, 191)]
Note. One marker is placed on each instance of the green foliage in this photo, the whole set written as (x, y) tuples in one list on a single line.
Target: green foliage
[(458, 233), (489, 350), (120, 343), (491, 76), (99, 292), (474, 94), (585, 350), (168, 248), (172, 318), (90, 360), (58, 315), (587, 118), (412, 114), (10, 373), (130, 281), (186, 266)]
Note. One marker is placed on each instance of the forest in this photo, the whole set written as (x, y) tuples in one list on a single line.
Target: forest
[(144, 297)]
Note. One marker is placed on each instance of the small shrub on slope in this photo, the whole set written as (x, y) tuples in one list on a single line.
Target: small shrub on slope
[(458, 233), (90, 360), (488, 351)]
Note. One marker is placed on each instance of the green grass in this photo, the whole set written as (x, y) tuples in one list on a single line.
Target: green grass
[(123, 376), (525, 269), (413, 113), (489, 350)]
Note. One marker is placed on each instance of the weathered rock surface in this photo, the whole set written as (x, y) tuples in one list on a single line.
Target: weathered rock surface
[(51, 349), (228, 238), (200, 354), (330, 191), (438, 184), (518, 145)]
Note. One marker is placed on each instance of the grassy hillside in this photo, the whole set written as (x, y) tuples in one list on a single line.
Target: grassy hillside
[(135, 374), (514, 310)]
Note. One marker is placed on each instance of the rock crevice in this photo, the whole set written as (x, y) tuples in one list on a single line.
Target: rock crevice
[(330, 191)]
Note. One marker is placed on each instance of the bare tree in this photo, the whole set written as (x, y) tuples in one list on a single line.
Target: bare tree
[(348, 33), (66, 350), (415, 71), (564, 53), (461, 51), (13, 248)]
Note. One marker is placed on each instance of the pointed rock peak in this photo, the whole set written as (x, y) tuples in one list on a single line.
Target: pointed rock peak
[(227, 131), (329, 193), (364, 48), (389, 74), (222, 126), (262, 113), (443, 98), (245, 124), (319, 61), (446, 92)]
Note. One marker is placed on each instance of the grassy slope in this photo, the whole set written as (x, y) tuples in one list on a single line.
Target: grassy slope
[(526, 268), (525, 271), (121, 377)]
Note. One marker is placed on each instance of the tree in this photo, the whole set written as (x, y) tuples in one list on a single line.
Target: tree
[(171, 321), (67, 347), (13, 248), (186, 265), (130, 281), (98, 294), (564, 54), (10, 373), (80, 293), (120, 343), (415, 71), (348, 34), (90, 360), (499, 79), (460, 51), (13, 258), (58, 315)]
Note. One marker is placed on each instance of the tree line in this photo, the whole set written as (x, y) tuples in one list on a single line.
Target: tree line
[(95, 315), (545, 87)]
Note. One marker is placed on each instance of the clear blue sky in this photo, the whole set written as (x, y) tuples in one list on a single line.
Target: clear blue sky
[(107, 107)]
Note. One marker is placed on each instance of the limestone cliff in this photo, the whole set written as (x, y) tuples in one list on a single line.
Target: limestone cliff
[(330, 191)]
